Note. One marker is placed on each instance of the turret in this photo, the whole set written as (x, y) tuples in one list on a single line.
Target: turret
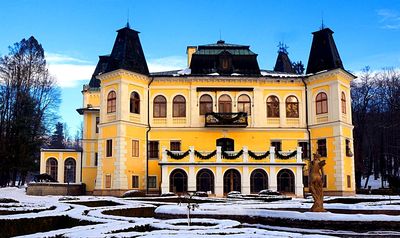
[(283, 63), (127, 52), (323, 54)]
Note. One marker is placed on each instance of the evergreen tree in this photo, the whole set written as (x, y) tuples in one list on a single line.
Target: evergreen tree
[(298, 67), (57, 139)]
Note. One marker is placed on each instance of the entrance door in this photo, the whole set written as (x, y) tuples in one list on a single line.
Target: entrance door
[(232, 181), (227, 144)]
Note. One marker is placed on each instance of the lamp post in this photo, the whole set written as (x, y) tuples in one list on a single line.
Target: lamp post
[(68, 177)]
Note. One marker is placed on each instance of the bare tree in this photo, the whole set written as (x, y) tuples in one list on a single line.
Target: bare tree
[(29, 100)]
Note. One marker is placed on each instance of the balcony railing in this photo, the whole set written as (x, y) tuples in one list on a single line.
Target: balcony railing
[(218, 155), (234, 119)]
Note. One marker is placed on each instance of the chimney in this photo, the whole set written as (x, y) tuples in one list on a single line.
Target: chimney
[(190, 51)]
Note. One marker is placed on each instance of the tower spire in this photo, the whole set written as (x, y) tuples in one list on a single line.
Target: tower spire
[(127, 20), (322, 21)]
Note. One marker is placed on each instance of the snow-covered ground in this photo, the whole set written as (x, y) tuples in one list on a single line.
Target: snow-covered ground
[(374, 183), (119, 226)]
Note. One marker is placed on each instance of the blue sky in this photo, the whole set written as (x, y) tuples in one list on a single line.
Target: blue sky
[(74, 33)]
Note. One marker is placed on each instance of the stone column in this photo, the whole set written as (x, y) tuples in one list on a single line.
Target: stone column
[(299, 181), (245, 180), (299, 158), (164, 157), (272, 154), (164, 179), (219, 154), (273, 183), (219, 182), (60, 170), (191, 154), (191, 179), (245, 154)]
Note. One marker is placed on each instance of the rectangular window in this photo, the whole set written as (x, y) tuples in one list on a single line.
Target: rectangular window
[(348, 181), (96, 159), (348, 149), (175, 146), (305, 181), (109, 148), (97, 124), (304, 149), (108, 181), (277, 145), (152, 182), (135, 148), (322, 147), (153, 149), (325, 181), (135, 181)]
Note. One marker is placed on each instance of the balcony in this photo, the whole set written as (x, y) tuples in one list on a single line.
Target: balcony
[(234, 119)]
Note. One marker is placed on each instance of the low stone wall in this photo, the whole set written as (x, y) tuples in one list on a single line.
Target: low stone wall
[(43, 189)]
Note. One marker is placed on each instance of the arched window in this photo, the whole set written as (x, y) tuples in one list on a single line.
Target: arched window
[(69, 170), (134, 105), (111, 102), (205, 181), (321, 103), (286, 181), (244, 104), (225, 104), (272, 106), (52, 167), (258, 181), (292, 107), (232, 181), (179, 106), (160, 106), (178, 181), (206, 104), (343, 98)]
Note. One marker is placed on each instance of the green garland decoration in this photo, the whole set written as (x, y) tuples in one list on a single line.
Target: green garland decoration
[(205, 157), (178, 156), (258, 157), (280, 156), (231, 157)]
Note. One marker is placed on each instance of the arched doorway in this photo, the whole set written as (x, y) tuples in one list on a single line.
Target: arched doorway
[(232, 181), (69, 170), (205, 181), (178, 181), (227, 144), (52, 167), (258, 181), (286, 181)]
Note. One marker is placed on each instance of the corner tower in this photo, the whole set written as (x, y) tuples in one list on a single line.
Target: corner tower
[(323, 54), (123, 116)]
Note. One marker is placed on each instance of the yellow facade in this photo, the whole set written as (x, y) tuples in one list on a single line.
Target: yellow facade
[(130, 164)]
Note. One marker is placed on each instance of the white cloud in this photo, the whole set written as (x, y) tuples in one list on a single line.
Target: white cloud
[(70, 71), (60, 58), (390, 19), (167, 63), (69, 75)]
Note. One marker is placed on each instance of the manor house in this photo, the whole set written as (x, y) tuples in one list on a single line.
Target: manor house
[(222, 124)]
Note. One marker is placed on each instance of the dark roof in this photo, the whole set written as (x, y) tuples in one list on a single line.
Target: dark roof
[(100, 68), (323, 54), (225, 59), (283, 63), (127, 53)]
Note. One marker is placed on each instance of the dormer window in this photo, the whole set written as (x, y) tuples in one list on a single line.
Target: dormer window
[(225, 63)]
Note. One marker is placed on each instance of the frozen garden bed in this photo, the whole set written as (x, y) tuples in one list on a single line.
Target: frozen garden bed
[(90, 216)]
